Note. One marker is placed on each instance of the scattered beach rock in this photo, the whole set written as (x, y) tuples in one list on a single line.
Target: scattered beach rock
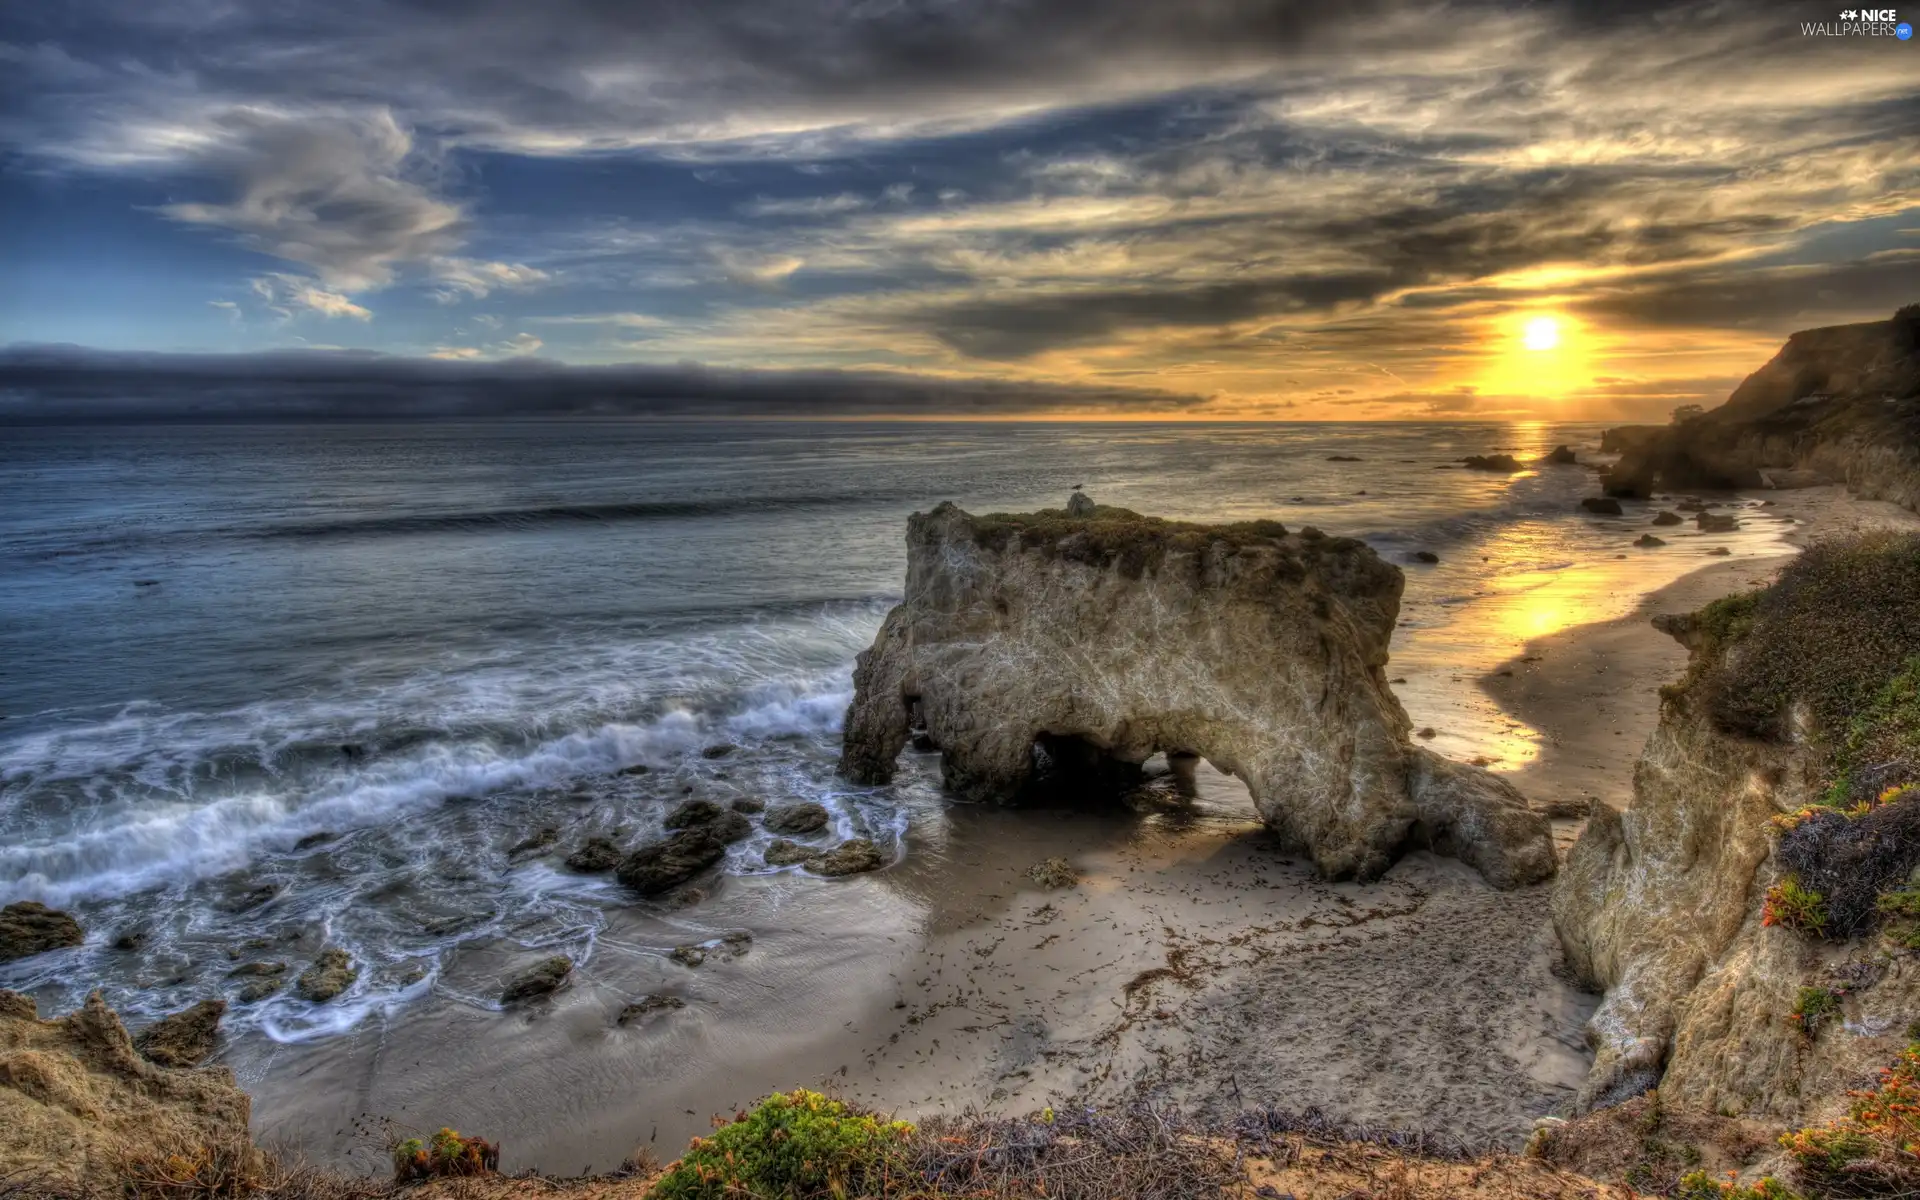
[(1492, 462), (252, 898), (721, 949), (1604, 505), (1343, 458), (331, 973), (130, 939), (719, 751), (594, 855), (537, 841), (647, 1006), (725, 824), (1667, 518), (635, 769), (1719, 552), (28, 927), (1428, 732), (664, 865), (263, 979), (748, 804), (184, 1039), (1648, 541), (783, 853), (850, 857), (1054, 873), (1425, 556), (1716, 522), (314, 839), (1561, 456), (254, 969), (543, 979), (1080, 505), (797, 818)]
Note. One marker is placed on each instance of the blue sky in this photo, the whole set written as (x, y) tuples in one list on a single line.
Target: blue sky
[(1232, 208)]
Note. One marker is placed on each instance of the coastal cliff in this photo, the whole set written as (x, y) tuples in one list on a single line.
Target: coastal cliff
[(1839, 404), (1747, 915), (1062, 649)]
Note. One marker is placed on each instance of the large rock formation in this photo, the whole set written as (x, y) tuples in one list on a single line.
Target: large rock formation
[(1662, 906), (1840, 404), (1050, 649), (79, 1105)]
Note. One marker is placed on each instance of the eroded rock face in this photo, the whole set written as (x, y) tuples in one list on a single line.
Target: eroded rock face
[(186, 1038), (28, 927), (1105, 638), (76, 1097)]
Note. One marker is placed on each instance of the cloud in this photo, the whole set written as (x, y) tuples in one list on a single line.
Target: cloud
[(70, 383), (332, 193), (290, 296), (467, 277)]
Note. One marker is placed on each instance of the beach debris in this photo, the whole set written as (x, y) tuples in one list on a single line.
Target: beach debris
[(662, 866), (725, 824), (797, 818), (1667, 518), (784, 853), (1080, 505), (1054, 873), (1605, 506), (724, 948), (594, 855), (1647, 541), (1492, 462), (647, 1006), (850, 857), (332, 972), (542, 979), (184, 1039), (1561, 456), (28, 927)]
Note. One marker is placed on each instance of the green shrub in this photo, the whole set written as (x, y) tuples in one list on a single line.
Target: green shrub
[(793, 1146), (1814, 1007), (1796, 907), (1698, 1186)]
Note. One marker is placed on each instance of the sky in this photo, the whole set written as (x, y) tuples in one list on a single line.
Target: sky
[(1211, 209)]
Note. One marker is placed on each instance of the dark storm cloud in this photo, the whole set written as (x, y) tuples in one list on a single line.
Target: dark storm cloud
[(70, 383)]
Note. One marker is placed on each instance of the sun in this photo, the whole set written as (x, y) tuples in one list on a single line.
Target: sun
[(1542, 333)]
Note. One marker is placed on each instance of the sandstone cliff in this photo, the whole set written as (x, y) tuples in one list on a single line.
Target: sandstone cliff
[(78, 1103), (1064, 648), (1797, 704), (1840, 404)]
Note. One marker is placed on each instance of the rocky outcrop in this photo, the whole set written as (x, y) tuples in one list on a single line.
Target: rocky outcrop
[(1044, 652), (28, 927), (1840, 403), (185, 1039), (332, 972), (543, 979), (78, 1102)]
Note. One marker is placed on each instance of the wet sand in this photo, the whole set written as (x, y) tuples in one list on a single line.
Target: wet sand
[(1192, 959)]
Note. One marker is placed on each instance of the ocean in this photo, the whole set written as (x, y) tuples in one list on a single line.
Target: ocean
[(271, 687)]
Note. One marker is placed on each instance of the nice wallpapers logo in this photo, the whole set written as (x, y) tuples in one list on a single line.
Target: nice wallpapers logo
[(1861, 22)]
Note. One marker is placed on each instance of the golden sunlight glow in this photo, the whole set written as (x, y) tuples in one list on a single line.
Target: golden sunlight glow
[(1536, 355), (1543, 333)]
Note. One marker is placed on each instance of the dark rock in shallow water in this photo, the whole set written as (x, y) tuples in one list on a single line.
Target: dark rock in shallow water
[(647, 1006), (331, 973), (721, 949), (263, 979), (1605, 506), (254, 969), (130, 939), (1342, 458), (28, 927), (1424, 556), (1719, 552), (1715, 522), (635, 769), (797, 818), (184, 1039), (747, 804), (719, 751), (1667, 518), (537, 841), (663, 866), (544, 979), (594, 855), (726, 825), (252, 898), (783, 853), (1648, 541), (850, 857), (314, 839), (1561, 456), (1492, 462)]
